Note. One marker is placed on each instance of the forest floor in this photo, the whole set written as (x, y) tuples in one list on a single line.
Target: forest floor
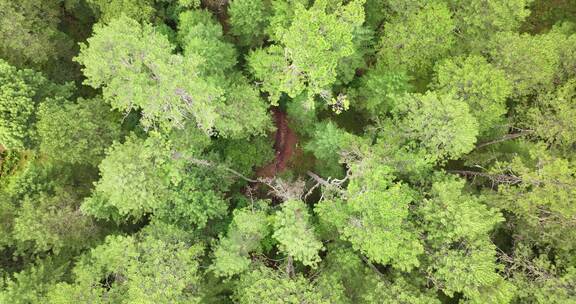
[(285, 146)]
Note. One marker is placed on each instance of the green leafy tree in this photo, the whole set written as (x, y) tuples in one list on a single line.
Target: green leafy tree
[(397, 290), (553, 114), (21, 92), (242, 97), (478, 20), (54, 223), (135, 66), (134, 180), (147, 269), (31, 284), (540, 194), (249, 20), (158, 176), (306, 58), (248, 228), (244, 155), (567, 52), (474, 81), (441, 124), (378, 89), (271, 65), (327, 144), (530, 62), (201, 35), (463, 259), (195, 196), (418, 40), (293, 230), (315, 48), (171, 89), (539, 279), (141, 10), (375, 217), (265, 285), (29, 31), (77, 133)]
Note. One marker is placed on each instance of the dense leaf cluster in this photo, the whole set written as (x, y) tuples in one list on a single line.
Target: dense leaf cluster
[(287, 151)]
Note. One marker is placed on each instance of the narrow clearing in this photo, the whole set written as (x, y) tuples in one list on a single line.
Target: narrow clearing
[(284, 146)]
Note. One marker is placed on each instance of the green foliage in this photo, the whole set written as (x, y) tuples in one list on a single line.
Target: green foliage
[(399, 291), (457, 229), (327, 144), (21, 91), (416, 41), (530, 62), (539, 280), (316, 41), (136, 69), (264, 285), (194, 197), (134, 180), (169, 178), (171, 89), (541, 198), (242, 97), (441, 124), (280, 76), (141, 10), (63, 138), (478, 20), (342, 276), (474, 81), (29, 31), (31, 284), (200, 35), (249, 20), (155, 178), (379, 88), (126, 269), (244, 155), (309, 51), (292, 229), (452, 216), (375, 216), (248, 228), (54, 223), (553, 114)]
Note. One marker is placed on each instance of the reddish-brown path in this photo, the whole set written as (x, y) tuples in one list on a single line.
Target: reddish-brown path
[(284, 146)]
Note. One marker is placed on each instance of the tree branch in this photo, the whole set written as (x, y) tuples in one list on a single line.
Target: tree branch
[(318, 179), (367, 261), (290, 267), (205, 163), (504, 138), (496, 178)]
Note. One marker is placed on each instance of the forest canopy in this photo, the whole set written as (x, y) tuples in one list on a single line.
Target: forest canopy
[(287, 151)]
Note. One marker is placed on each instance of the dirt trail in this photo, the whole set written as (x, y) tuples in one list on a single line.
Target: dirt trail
[(284, 145)]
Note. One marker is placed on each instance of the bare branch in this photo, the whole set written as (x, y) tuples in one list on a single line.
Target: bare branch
[(318, 179), (496, 178), (205, 163), (367, 261), (504, 138), (290, 266)]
